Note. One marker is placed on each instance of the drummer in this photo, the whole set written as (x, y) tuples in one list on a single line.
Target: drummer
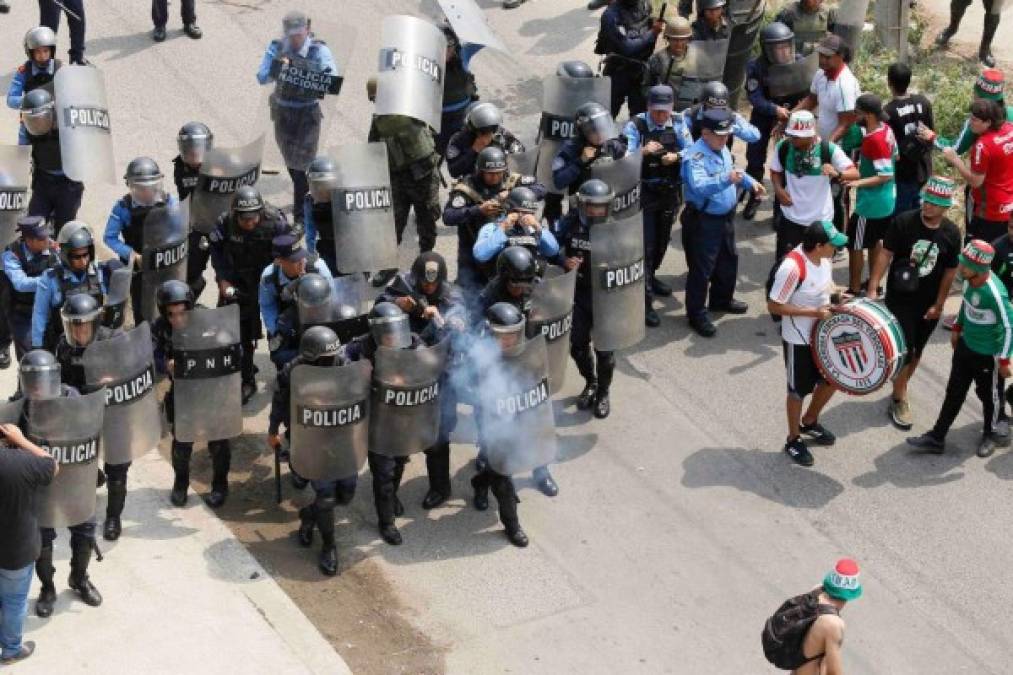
[(801, 292)]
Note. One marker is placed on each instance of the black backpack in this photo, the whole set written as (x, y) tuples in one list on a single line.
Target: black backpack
[(785, 631)]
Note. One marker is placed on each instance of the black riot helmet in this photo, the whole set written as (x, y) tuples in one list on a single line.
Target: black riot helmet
[(173, 292), (574, 69), (389, 326), (144, 180), (194, 140), (428, 268), (505, 323), (703, 5), (594, 201), (483, 117), (522, 199), (39, 375), (319, 345), (37, 112), (247, 199), (778, 42), (81, 315), (313, 293), (517, 264), (73, 235), (595, 123), (714, 95), (322, 174), (491, 160)]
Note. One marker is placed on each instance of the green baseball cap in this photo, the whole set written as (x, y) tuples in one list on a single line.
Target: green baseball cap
[(826, 233)]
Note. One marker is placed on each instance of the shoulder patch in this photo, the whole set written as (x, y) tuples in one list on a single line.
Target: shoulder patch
[(453, 151), (752, 84), (697, 155), (458, 202), (558, 163)]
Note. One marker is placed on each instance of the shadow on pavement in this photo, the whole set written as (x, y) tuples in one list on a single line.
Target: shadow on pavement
[(901, 466)]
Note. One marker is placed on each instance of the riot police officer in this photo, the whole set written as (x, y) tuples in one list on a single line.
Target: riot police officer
[(39, 378), (459, 88), (318, 217), (193, 140), (319, 346), (277, 281), (388, 327), (296, 121), (240, 250), (474, 201), (38, 71), (434, 307), (25, 260), (124, 233), (596, 140), (714, 96), (76, 272), (518, 226), (174, 300), (483, 127), (54, 196), (81, 315), (627, 36), (659, 136), (711, 22), (809, 20), (777, 46), (667, 65), (573, 231)]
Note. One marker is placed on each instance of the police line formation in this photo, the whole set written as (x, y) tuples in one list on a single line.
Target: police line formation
[(375, 382)]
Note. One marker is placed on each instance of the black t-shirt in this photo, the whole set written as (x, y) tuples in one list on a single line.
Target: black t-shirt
[(21, 474), (933, 251), (914, 163)]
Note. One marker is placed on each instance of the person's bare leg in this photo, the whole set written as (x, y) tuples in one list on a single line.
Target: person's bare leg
[(794, 407), (856, 261), (821, 396), (901, 381)]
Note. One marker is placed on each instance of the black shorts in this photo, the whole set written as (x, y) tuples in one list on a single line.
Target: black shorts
[(803, 375), (865, 233), (916, 328)]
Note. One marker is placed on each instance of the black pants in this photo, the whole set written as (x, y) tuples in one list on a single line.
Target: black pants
[(422, 195), (627, 87), (221, 461), (55, 198), (709, 243), (756, 153), (659, 215), (969, 366), (505, 493), (197, 256), (300, 188), (116, 488), (6, 317), (599, 367), (788, 235), (160, 12), (553, 209), (49, 15), (438, 456), (387, 473)]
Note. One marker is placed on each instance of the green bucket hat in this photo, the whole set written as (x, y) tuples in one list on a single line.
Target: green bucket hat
[(843, 582), (939, 191), (977, 255)]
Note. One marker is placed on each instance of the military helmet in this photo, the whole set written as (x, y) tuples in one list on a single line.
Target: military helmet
[(517, 264), (710, 4), (322, 174), (778, 42), (678, 28), (319, 342)]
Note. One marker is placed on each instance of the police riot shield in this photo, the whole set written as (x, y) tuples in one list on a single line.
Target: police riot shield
[(623, 176), (551, 316), (413, 56), (517, 427), (343, 310), (69, 428), (114, 309), (792, 79), (560, 100), (363, 214), (82, 116), (850, 21), (329, 409), (206, 378), (15, 177), (405, 415), (124, 365), (470, 23), (223, 171), (705, 62), (617, 284), (524, 163), (164, 255), (745, 17)]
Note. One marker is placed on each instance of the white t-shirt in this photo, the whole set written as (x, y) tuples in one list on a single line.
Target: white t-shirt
[(811, 198), (833, 96), (814, 291)]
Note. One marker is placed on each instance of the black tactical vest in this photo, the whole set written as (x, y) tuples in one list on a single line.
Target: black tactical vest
[(24, 301), (323, 218), (652, 168), (249, 252), (46, 151), (576, 243), (133, 233), (35, 80)]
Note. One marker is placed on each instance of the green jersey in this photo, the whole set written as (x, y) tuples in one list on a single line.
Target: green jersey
[(985, 318)]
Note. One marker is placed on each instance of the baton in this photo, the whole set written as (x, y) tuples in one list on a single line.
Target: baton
[(277, 474), (64, 8), (661, 14)]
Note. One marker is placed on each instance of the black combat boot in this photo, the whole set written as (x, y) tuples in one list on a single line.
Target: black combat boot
[(438, 468), (181, 468), (117, 497), (398, 474), (221, 459), (328, 562), (587, 395), (307, 520), (506, 497), (988, 32), (957, 9), (80, 556), (47, 593), (481, 487)]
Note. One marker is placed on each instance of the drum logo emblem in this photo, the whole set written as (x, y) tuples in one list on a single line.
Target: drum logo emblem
[(851, 350)]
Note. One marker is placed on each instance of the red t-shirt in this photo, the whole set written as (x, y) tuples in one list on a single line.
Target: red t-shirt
[(992, 155)]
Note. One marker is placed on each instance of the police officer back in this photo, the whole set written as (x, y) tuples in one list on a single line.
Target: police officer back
[(483, 127)]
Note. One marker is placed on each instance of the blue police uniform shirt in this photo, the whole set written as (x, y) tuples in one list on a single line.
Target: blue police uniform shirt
[(268, 291), (16, 90), (492, 239), (119, 218), (21, 282), (48, 295), (741, 128), (311, 49), (706, 179)]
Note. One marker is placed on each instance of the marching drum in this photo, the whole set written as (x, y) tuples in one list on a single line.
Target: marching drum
[(860, 348)]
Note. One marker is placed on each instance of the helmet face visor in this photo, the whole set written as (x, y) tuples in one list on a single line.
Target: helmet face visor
[(392, 332)]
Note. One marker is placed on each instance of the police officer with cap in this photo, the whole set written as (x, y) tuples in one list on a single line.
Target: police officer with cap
[(518, 226), (318, 216), (714, 96), (595, 141), (38, 71), (296, 121), (54, 196), (710, 182), (667, 65), (124, 233), (627, 36), (319, 346), (277, 294), (459, 88), (573, 231), (241, 247), (809, 20), (777, 47), (193, 140), (25, 260), (660, 137), (76, 272), (711, 23), (483, 127)]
